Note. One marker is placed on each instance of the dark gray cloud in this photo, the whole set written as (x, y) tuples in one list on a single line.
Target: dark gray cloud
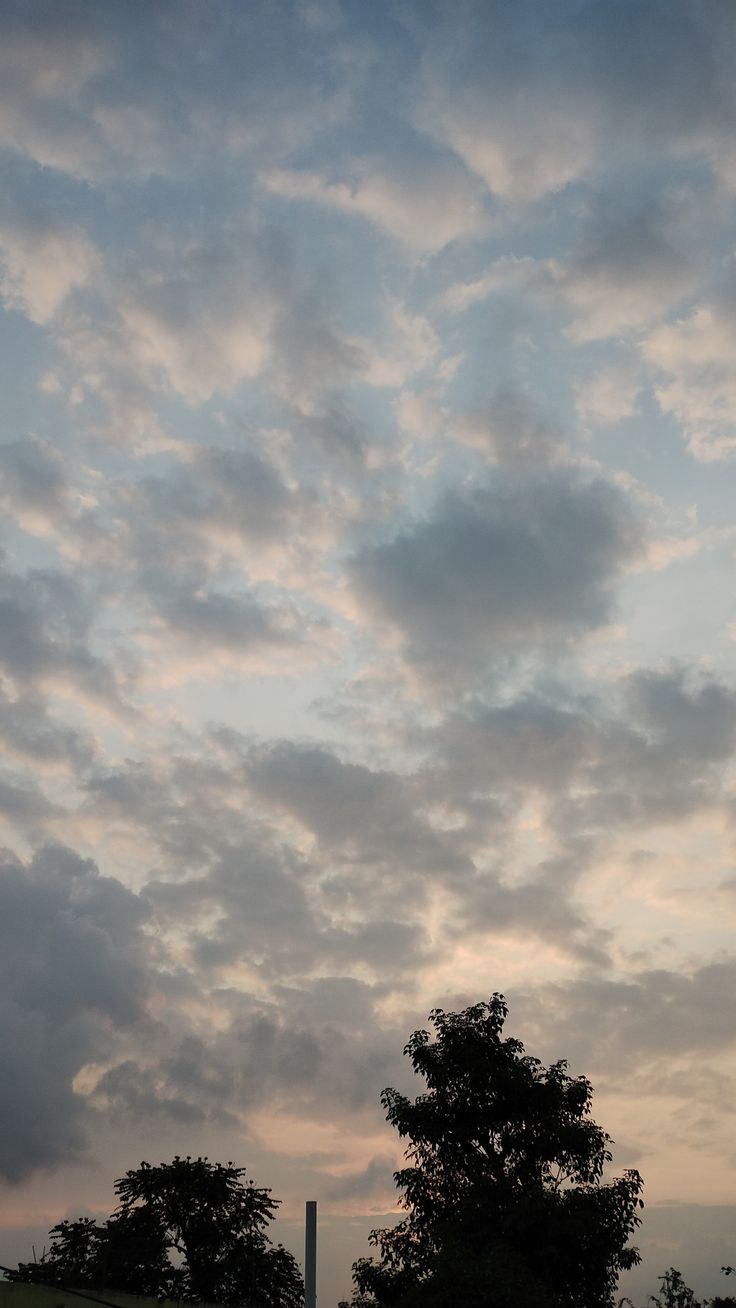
[(228, 880), (355, 812), (73, 966), (513, 428), (191, 538), (45, 620), (287, 1056), (624, 272), (24, 803), (250, 905), (501, 567), (33, 478), (30, 732), (209, 618), (256, 901), (536, 96), (242, 893), (686, 718), (654, 750), (375, 1181), (226, 490), (80, 96), (652, 1018), (337, 433), (137, 1093)]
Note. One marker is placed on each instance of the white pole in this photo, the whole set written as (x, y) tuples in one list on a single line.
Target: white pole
[(310, 1255)]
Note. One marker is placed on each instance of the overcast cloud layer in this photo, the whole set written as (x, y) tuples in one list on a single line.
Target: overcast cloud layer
[(367, 470)]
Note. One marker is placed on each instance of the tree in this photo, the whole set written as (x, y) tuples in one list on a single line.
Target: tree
[(674, 1293), (204, 1214), (503, 1192)]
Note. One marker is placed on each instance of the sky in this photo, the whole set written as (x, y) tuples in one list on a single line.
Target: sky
[(367, 468)]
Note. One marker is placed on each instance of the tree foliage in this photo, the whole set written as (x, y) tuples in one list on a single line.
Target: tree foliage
[(189, 1229), (503, 1190), (673, 1292)]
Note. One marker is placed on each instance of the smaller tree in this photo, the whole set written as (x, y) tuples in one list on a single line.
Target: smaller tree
[(674, 1293), (204, 1214), (724, 1301), (73, 1258)]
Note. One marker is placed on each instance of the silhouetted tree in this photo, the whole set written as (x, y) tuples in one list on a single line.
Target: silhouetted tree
[(674, 1293), (74, 1256), (205, 1214), (503, 1191)]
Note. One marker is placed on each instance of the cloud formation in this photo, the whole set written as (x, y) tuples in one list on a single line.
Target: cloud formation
[(505, 566), (366, 580), (73, 964)]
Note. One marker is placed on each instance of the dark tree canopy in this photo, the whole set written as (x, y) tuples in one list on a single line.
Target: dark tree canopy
[(211, 1220), (503, 1191)]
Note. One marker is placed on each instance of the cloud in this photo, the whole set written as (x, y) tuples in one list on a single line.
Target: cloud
[(30, 732), (609, 395), (73, 970), (692, 361), (48, 59), (41, 264), (34, 484), (374, 1181), (265, 1057), (423, 202), (507, 273), (78, 98), (189, 317), (234, 491), (510, 565), (45, 618), (200, 326), (242, 887), (513, 428), (135, 1093), (650, 751), (262, 470), (648, 1019), (357, 813), (193, 625), (225, 510), (622, 273), (535, 98), (197, 317), (24, 805), (251, 905), (622, 276)]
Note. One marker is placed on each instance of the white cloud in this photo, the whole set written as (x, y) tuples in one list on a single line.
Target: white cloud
[(620, 276), (608, 396), (44, 69), (425, 207), (517, 161), (694, 366), (41, 265), (199, 350), (408, 345), (509, 273), (537, 97)]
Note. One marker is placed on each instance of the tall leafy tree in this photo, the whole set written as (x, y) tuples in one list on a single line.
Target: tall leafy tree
[(503, 1189), (189, 1229)]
